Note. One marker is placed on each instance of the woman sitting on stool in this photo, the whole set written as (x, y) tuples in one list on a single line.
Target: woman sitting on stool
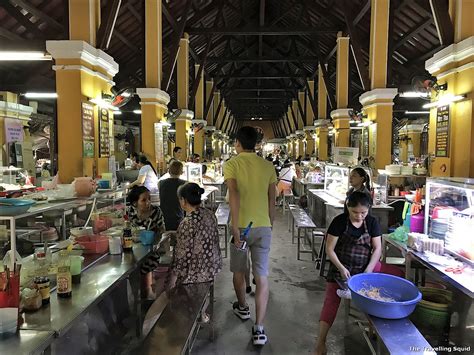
[(353, 246)]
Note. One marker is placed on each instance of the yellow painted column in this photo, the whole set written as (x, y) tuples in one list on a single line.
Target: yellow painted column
[(378, 106), (199, 136), (461, 16), (322, 140), (216, 142), (210, 114), (217, 99), (340, 116), (342, 72), (291, 122), (380, 10), (309, 108), (310, 141), (220, 116), (301, 137), (153, 44), (153, 104), (410, 141), (294, 146), (84, 20), (454, 65), (82, 73), (301, 96), (183, 72), (183, 125), (153, 100), (299, 122), (321, 130)]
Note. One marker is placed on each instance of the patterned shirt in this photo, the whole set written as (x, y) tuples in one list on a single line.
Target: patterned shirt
[(197, 255), (155, 222)]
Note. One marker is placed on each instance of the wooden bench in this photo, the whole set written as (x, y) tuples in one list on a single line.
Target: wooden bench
[(176, 328), (302, 222), (223, 218), (287, 196)]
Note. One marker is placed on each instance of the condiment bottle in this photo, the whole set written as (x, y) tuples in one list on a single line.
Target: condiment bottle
[(127, 240), (64, 278)]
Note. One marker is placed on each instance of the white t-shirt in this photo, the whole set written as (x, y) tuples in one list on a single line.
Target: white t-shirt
[(151, 180), (287, 174)]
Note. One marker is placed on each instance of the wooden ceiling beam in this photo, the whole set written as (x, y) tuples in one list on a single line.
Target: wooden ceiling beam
[(255, 59), (15, 12), (168, 73), (260, 31), (361, 13), (356, 46), (257, 76), (39, 14), (444, 25), (415, 31), (106, 28)]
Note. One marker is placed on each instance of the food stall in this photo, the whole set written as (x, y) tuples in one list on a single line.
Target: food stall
[(48, 326), (326, 204), (445, 255), (310, 180)]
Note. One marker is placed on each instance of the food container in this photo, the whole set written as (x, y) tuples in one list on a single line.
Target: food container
[(103, 184), (14, 206), (115, 245), (94, 244), (31, 299), (84, 186), (405, 293), (434, 310), (80, 231)]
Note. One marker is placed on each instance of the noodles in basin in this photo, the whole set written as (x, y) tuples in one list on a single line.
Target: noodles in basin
[(374, 293)]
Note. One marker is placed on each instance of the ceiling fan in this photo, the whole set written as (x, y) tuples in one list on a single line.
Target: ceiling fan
[(119, 97), (424, 85), (172, 115)]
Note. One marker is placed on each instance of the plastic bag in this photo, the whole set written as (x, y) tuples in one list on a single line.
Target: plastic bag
[(400, 234)]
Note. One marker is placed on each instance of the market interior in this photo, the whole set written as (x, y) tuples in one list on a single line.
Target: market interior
[(98, 97)]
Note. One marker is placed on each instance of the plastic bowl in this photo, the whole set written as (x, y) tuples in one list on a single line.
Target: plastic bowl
[(147, 237), (14, 206), (94, 244), (405, 293)]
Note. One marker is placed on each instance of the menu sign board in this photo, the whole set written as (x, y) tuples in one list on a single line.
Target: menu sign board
[(87, 130), (442, 132), (104, 140), (13, 130), (165, 141)]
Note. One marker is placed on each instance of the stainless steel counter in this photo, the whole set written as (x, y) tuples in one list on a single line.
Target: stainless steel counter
[(301, 186), (26, 342), (96, 281)]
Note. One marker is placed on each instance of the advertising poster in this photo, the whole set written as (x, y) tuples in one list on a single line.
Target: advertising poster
[(87, 130), (159, 144)]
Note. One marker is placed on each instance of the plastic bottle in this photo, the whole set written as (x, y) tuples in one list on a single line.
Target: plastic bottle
[(64, 278), (243, 236)]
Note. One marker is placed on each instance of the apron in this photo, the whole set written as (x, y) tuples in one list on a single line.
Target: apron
[(353, 253)]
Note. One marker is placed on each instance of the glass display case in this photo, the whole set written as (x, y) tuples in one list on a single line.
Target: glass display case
[(449, 214), (192, 173), (336, 180)]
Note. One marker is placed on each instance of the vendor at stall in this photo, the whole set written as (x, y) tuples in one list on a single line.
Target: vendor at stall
[(359, 181), (314, 174), (147, 176), (353, 246), (142, 213)]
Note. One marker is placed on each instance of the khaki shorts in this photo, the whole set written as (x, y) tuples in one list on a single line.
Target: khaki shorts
[(258, 243)]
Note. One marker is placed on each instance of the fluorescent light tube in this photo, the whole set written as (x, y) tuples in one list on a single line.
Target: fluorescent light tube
[(417, 112), (137, 112), (414, 94), (445, 100), (24, 55), (41, 95)]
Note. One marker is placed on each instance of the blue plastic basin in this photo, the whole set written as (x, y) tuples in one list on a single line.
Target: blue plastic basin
[(147, 237), (405, 293), (14, 206)]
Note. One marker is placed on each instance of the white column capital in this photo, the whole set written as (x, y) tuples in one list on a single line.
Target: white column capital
[(185, 115), (375, 95), (341, 113), (158, 95)]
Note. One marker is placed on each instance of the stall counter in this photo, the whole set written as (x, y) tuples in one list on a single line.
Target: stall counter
[(301, 186), (324, 207)]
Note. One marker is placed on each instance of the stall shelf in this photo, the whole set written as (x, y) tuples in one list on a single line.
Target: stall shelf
[(29, 342)]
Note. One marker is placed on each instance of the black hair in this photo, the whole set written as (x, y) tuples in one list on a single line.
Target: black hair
[(247, 137), (191, 192), (359, 198), (144, 160), (175, 149), (135, 192), (204, 169), (363, 174)]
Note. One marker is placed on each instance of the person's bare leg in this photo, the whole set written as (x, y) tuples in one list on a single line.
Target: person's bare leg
[(148, 285), (323, 333), (239, 287), (261, 298)]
